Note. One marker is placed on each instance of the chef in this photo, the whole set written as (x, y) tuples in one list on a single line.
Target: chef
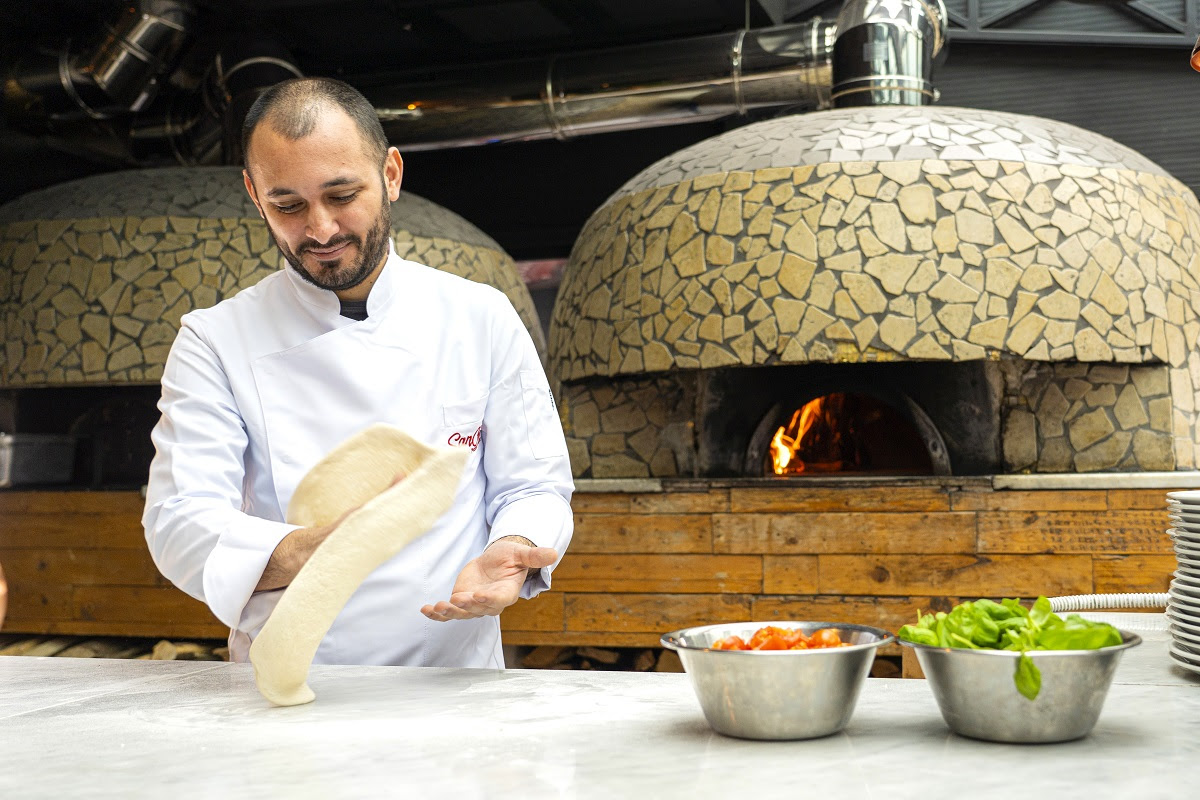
[(258, 388)]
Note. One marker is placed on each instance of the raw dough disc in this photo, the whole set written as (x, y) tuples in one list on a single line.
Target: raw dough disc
[(360, 471)]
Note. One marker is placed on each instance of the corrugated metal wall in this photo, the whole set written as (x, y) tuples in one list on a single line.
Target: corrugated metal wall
[(1146, 99)]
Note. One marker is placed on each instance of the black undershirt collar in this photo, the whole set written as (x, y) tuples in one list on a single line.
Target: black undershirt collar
[(354, 309)]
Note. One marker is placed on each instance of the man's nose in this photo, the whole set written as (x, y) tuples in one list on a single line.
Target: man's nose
[(321, 224)]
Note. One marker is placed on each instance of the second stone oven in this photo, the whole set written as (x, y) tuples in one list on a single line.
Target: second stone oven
[(1018, 295)]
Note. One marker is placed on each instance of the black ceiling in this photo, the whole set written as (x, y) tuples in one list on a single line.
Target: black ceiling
[(353, 36), (534, 197)]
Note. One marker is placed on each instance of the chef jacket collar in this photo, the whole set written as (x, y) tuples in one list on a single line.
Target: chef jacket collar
[(380, 297)]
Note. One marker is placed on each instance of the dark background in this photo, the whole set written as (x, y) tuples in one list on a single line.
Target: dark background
[(1116, 68)]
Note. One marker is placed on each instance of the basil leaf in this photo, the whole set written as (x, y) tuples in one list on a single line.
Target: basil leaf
[(917, 635), (1028, 677), (1041, 613), (997, 611), (1078, 633)]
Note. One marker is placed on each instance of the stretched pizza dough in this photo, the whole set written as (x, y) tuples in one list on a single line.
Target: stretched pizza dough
[(359, 472)]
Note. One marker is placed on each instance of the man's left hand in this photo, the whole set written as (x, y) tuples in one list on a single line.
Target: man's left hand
[(492, 582)]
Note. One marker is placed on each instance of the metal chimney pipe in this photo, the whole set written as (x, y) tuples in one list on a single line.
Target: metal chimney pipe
[(119, 76), (878, 52), (661, 83), (138, 48), (885, 52)]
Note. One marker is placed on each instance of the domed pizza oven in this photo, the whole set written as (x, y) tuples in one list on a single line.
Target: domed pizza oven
[(957, 291)]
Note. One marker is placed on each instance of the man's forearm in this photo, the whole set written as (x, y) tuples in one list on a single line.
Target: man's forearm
[(292, 552)]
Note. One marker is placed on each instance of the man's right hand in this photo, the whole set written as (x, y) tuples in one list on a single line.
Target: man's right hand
[(294, 550)]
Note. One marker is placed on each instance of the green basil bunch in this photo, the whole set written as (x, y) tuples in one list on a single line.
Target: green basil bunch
[(1007, 625)]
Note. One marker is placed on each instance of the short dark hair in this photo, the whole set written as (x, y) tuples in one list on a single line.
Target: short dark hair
[(292, 108)]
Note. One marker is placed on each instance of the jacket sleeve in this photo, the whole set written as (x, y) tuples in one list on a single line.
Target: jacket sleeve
[(198, 535), (529, 481)]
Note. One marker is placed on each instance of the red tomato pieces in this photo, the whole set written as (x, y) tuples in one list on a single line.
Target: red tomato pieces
[(771, 637)]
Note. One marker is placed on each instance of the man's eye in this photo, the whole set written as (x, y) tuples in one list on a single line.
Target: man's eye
[(288, 209), (344, 198)]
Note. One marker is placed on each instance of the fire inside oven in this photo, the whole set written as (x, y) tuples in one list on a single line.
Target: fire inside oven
[(847, 433)]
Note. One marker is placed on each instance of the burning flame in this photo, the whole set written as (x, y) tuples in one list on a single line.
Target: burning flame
[(812, 431), (848, 432)]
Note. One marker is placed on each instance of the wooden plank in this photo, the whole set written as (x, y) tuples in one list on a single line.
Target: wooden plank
[(586, 572), (888, 613), (156, 630), (1132, 573), (600, 502), (68, 530), (1074, 532), (1048, 500), (961, 575), (948, 532), (77, 566), (642, 533), (1138, 499), (681, 502), (652, 612), (138, 604), (824, 498), (910, 667), (120, 503), (542, 613), (582, 638), (789, 574), (31, 600)]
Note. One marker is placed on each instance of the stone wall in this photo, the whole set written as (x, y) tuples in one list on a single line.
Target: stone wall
[(635, 428), (1072, 417), (95, 274)]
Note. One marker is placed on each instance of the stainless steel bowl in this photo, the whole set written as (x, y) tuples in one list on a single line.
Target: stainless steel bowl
[(777, 694), (978, 698)]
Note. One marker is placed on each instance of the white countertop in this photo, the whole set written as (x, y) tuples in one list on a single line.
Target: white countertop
[(119, 729)]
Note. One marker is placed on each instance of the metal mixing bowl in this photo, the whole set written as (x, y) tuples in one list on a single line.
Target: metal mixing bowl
[(777, 694), (978, 698)]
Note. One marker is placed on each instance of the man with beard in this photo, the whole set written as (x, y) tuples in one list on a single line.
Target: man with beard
[(260, 387)]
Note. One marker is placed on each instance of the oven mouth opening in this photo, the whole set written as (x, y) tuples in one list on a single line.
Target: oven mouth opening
[(847, 434)]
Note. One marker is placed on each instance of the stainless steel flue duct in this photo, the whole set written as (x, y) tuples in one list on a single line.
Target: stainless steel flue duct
[(662, 83), (878, 52), (118, 76), (885, 52)]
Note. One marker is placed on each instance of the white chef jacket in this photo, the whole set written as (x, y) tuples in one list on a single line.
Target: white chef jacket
[(260, 387)]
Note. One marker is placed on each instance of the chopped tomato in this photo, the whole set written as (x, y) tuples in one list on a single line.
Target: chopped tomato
[(772, 637), (730, 643), (764, 635), (795, 638), (826, 637)]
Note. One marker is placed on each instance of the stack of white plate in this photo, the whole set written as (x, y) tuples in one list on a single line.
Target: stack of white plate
[(1183, 610)]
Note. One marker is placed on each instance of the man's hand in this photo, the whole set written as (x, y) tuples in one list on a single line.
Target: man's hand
[(492, 582)]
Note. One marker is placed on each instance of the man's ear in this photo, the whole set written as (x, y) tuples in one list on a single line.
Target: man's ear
[(250, 191), (393, 173)]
